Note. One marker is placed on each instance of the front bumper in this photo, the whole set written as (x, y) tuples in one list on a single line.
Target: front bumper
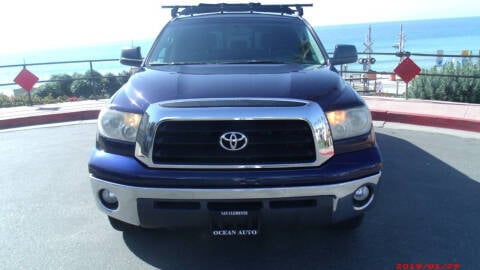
[(136, 205)]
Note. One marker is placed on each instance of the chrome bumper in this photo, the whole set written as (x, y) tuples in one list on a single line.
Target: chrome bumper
[(127, 210)]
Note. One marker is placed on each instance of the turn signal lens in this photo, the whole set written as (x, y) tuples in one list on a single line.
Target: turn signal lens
[(336, 117)]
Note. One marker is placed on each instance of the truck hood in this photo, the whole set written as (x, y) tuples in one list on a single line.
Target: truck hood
[(147, 86)]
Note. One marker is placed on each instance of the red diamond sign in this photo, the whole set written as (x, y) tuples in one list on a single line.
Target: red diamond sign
[(26, 79), (407, 70)]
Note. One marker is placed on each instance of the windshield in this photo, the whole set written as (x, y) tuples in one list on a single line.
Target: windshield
[(227, 42)]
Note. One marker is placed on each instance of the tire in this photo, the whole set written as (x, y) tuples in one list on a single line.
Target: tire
[(120, 225), (349, 224)]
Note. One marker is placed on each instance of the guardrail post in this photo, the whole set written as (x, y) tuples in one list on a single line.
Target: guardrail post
[(28, 92), (91, 76)]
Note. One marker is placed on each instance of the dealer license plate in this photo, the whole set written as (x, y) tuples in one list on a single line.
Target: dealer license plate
[(235, 223)]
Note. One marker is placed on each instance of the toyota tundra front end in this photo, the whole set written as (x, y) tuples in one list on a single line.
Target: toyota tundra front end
[(236, 118)]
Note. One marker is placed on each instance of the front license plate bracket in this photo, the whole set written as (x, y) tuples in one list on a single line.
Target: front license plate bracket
[(240, 223)]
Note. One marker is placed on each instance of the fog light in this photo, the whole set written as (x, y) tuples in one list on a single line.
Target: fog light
[(109, 199), (361, 193)]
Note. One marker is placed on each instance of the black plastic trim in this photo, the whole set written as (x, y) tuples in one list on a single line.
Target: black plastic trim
[(115, 146), (355, 144)]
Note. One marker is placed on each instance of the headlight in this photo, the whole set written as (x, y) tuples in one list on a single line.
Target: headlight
[(118, 125), (349, 123)]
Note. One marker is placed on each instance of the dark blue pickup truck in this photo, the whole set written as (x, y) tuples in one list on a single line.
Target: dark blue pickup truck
[(236, 117)]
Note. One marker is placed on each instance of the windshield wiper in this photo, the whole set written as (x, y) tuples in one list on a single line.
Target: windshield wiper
[(253, 62), (176, 63)]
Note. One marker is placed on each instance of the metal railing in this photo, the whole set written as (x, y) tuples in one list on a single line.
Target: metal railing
[(90, 62), (353, 76), (361, 79)]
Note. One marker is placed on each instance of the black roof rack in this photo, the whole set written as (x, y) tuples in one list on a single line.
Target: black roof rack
[(250, 7)]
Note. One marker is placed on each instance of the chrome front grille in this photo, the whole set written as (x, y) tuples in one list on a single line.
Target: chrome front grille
[(269, 142), (293, 133)]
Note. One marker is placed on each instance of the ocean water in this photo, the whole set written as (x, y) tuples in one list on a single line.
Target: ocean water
[(422, 36)]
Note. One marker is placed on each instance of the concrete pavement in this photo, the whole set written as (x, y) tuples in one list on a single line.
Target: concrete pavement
[(461, 116)]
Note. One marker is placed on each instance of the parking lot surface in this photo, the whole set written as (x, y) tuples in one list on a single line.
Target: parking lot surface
[(427, 212)]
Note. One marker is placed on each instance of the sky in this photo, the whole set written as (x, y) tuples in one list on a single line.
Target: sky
[(30, 25)]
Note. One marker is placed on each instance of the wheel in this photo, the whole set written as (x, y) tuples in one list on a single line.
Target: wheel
[(120, 225), (349, 224)]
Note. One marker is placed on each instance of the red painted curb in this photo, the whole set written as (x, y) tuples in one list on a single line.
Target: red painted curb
[(427, 120), (48, 119)]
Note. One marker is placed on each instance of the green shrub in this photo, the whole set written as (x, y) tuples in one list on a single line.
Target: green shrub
[(81, 88), (61, 86), (89, 84), (123, 77), (449, 88), (110, 83), (5, 101)]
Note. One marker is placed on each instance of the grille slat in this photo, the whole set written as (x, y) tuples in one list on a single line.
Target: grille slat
[(258, 126), (269, 142), (251, 157), (253, 140)]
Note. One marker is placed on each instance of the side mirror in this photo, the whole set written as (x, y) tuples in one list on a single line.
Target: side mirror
[(131, 57), (344, 54)]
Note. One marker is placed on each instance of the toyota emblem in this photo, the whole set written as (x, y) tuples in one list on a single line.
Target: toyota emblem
[(233, 141)]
